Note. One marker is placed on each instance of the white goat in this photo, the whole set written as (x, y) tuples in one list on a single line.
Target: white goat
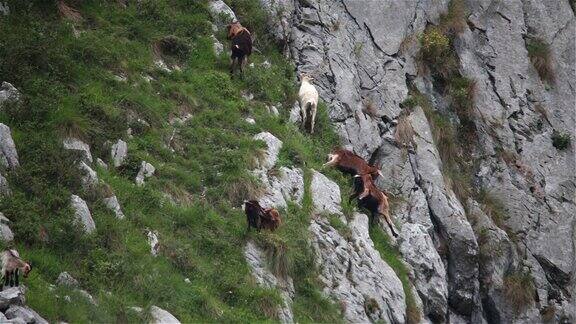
[(308, 101)]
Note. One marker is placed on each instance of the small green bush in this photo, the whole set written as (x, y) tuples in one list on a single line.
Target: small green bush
[(561, 141)]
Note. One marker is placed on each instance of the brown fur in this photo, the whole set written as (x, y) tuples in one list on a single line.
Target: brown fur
[(235, 28), (258, 217), (348, 162), (373, 199)]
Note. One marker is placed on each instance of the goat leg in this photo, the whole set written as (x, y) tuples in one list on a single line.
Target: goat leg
[(17, 277)]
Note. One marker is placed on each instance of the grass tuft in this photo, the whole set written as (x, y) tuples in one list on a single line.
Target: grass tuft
[(541, 58), (519, 290), (561, 141)]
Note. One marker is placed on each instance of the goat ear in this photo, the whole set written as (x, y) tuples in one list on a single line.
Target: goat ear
[(380, 173), (357, 176)]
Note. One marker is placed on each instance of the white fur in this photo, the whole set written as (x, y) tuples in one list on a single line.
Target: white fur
[(308, 97)]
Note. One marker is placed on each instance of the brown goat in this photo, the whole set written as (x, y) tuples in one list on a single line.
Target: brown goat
[(241, 45), (350, 163), (271, 219), (372, 198), (259, 217)]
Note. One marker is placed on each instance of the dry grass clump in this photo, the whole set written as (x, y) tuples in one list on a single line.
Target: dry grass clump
[(519, 290), (68, 12), (404, 133), (541, 58)]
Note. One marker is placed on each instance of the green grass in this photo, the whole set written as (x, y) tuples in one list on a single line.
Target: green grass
[(561, 141), (392, 257), (69, 89)]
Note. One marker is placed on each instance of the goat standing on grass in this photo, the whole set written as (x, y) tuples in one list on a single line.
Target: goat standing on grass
[(372, 198), (11, 266), (241, 45), (308, 101)]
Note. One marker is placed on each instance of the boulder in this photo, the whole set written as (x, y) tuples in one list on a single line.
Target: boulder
[(90, 177), (113, 204), (12, 296), (218, 47), (271, 153), (75, 144), (221, 14), (15, 311), (146, 171), (6, 234), (65, 279), (119, 152), (8, 93), (154, 242), (82, 214), (161, 316), (4, 187), (100, 163), (8, 154)]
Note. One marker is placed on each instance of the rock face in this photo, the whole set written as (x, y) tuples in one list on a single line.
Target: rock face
[(429, 275), (362, 55), (256, 259), (354, 274), (8, 154), (352, 270), (82, 214)]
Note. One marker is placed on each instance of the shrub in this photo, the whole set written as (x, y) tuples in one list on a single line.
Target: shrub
[(561, 141), (540, 56), (519, 290)]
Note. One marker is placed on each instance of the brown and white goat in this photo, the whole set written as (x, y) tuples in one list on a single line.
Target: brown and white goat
[(11, 266), (241, 45), (350, 163), (372, 198), (259, 217)]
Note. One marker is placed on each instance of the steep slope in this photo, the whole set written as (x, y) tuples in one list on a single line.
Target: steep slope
[(468, 106)]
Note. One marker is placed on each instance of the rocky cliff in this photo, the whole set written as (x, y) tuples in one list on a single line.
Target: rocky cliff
[(511, 224)]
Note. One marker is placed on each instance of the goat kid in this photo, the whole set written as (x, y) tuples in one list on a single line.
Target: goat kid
[(241, 45), (308, 97), (258, 217), (373, 199), (11, 267), (350, 163)]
